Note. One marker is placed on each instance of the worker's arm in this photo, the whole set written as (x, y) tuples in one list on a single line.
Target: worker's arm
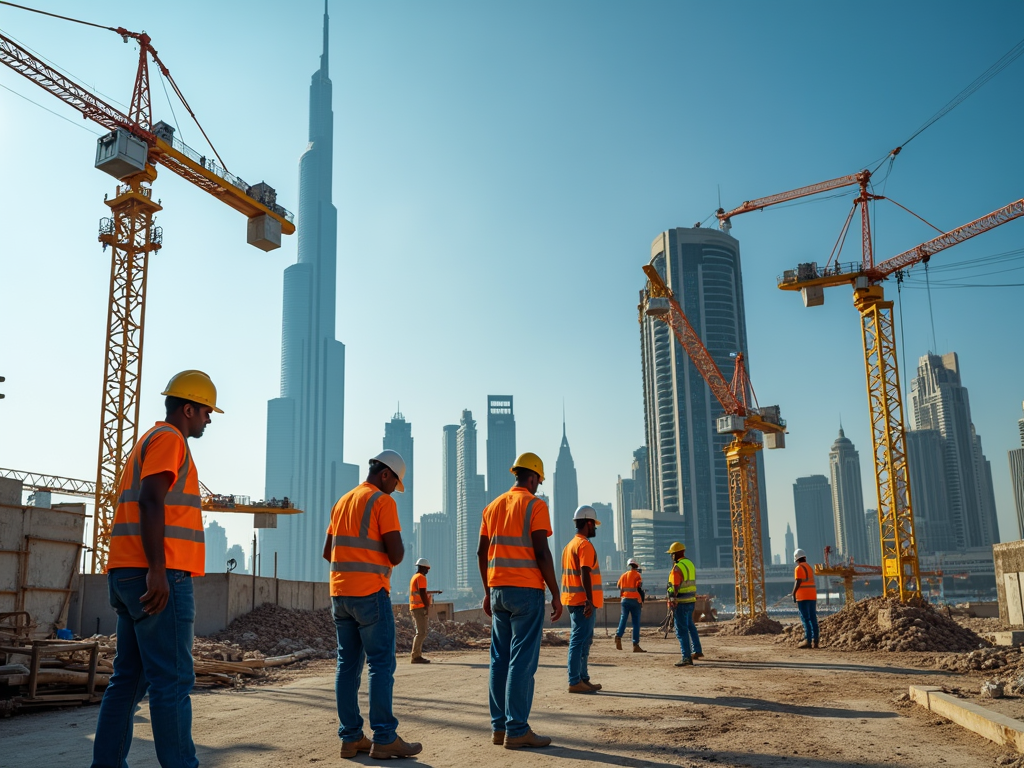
[(481, 559), (425, 597), (328, 546), (394, 547), (151, 524), (796, 586), (588, 607), (547, 569)]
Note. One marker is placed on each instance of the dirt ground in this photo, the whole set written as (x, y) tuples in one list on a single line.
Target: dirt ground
[(750, 702)]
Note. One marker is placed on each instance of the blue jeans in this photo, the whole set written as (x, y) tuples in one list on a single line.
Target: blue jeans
[(809, 617), (154, 654), (580, 638), (366, 633), (686, 630), (517, 623), (630, 610)]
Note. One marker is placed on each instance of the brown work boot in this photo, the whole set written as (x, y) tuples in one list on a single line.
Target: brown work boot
[(528, 740), (497, 737), (594, 686), (815, 642), (697, 655), (396, 748), (580, 687), (420, 660), (638, 649), (618, 643), (805, 644), (351, 748)]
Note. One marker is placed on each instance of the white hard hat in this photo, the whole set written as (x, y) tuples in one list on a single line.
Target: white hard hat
[(632, 561), (586, 512), (423, 561), (393, 460), (798, 554)]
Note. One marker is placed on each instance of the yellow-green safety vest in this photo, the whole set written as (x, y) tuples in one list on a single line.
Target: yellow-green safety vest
[(686, 592)]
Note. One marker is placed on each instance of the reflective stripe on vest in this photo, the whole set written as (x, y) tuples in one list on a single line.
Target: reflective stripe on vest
[(526, 540), (415, 598), (170, 532), (360, 542), (176, 495), (686, 591), (572, 578)]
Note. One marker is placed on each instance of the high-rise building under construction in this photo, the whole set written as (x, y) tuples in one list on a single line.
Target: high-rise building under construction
[(687, 472), (305, 425)]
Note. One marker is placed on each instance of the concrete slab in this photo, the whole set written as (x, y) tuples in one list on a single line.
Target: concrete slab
[(1013, 637), (993, 726)]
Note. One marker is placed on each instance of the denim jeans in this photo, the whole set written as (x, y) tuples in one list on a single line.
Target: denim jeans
[(630, 610), (366, 632), (686, 630), (580, 638), (809, 617), (517, 624), (154, 654)]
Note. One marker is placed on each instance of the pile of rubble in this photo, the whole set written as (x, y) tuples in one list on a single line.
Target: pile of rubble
[(1007, 660), (883, 624), (762, 625), (273, 631), (441, 635)]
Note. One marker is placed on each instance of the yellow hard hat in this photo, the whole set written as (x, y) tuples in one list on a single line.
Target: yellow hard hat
[(677, 546), (529, 461), (195, 386)]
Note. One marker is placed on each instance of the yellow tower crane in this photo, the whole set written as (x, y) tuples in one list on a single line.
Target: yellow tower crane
[(130, 152), (742, 419)]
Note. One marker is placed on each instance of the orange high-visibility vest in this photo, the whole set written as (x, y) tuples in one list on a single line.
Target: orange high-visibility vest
[(508, 524), (804, 574), (419, 581), (359, 561), (162, 449), (629, 584), (578, 554)]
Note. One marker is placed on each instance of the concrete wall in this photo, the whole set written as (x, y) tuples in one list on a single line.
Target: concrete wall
[(651, 615), (220, 599), (1009, 559)]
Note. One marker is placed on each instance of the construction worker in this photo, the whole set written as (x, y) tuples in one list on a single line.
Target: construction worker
[(156, 547), (581, 593), (419, 607), (364, 542), (632, 593), (515, 564), (805, 593), (682, 597)]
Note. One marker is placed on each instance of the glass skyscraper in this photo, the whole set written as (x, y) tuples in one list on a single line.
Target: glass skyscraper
[(848, 500), (305, 425), (501, 444), (398, 437)]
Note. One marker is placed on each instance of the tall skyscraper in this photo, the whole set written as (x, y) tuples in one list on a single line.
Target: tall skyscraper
[(623, 516), (306, 424), (926, 461), (848, 499), (641, 479), (567, 496), (874, 537), (501, 444), (236, 553), (470, 502), (688, 473), (1016, 457), (435, 540), (653, 534), (604, 542), (812, 502), (398, 437), (216, 548), (450, 470), (790, 546), (940, 401)]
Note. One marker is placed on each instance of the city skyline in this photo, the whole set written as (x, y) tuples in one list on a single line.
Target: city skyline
[(455, 191)]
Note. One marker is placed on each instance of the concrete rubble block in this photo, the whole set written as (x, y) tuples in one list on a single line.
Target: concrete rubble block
[(992, 690), (993, 726), (885, 619)]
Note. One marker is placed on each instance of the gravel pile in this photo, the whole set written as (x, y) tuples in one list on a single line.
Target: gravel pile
[(441, 636), (1008, 660), (276, 631), (911, 627), (762, 625)]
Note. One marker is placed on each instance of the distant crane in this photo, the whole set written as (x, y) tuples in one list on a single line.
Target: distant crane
[(742, 419), (130, 152), (901, 575)]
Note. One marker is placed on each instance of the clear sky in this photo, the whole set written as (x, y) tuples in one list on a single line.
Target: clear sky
[(500, 171)]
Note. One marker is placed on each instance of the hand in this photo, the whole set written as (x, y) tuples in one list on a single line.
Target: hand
[(556, 608), (588, 609), (487, 604), (157, 591), (671, 603)]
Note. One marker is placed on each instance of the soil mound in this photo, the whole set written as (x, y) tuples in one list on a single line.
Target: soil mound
[(762, 625), (276, 631), (885, 624)]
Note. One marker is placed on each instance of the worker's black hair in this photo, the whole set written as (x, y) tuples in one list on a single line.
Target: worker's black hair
[(523, 474), (581, 524), (172, 404), (376, 467)]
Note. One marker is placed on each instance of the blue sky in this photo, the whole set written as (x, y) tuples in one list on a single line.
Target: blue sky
[(500, 172)]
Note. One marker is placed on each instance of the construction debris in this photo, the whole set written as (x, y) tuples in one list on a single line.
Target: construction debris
[(885, 624), (762, 625)]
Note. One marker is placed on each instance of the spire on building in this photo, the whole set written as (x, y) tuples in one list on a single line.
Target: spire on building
[(324, 55)]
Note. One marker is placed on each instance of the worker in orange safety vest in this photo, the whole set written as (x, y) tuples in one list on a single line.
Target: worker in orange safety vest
[(632, 596), (805, 593), (419, 607), (582, 593)]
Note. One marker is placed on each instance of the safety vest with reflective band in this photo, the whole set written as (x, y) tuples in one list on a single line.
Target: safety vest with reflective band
[(164, 449), (419, 581), (359, 561), (580, 553), (629, 585), (804, 575), (508, 524), (682, 582)]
